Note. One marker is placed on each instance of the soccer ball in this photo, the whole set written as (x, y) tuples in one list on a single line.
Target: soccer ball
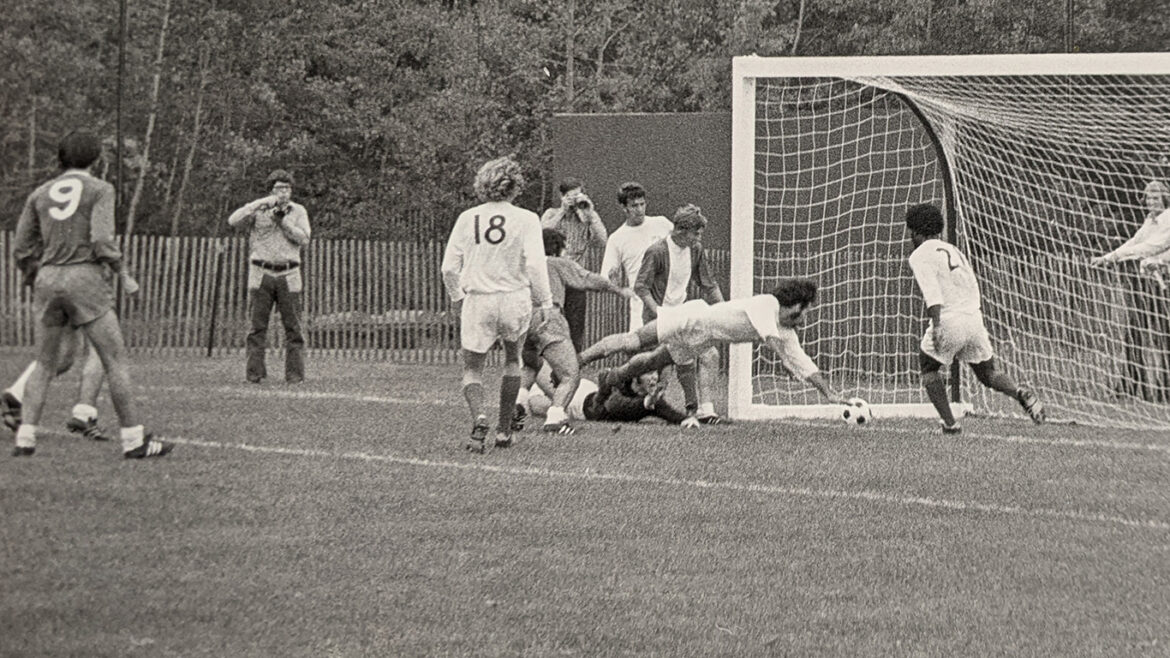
[(856, 412)]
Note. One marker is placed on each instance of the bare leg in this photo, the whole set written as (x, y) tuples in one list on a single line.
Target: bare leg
[(643, 338), (936, 390), (563, 361), (93, 374), (105, 335)]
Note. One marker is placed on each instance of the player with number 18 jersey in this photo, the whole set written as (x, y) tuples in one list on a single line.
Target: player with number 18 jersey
[(495, 262)]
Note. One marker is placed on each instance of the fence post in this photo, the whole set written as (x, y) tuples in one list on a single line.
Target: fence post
[(219, 251)]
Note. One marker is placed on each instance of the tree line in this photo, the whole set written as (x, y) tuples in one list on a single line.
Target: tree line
[(384, 108)]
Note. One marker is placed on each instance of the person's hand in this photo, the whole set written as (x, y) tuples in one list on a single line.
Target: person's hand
[(1098, 261), (626, 293), (457, 307), (129, 285), (938, 336), (540, 318), (838, 398)]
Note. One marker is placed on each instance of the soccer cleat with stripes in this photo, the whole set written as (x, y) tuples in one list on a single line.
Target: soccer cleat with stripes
[(713, 419), (562, 427), (1031, 404), (477, 441), (87, 428), (10, 410), (150, 447)]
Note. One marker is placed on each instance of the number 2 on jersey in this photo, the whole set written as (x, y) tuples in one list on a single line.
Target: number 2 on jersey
[(495, 233), (950, 263), (68, 192)]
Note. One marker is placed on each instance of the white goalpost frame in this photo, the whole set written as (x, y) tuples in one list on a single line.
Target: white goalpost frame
[(745, 71)]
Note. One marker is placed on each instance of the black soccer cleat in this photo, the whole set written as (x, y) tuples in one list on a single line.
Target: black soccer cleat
[(519, 417), (713, 419), (562, 427), (10, 410), (1031, 404), (477, 441), (503, 440), (87, 428), (150, 447), (22, 451), (952, 428)]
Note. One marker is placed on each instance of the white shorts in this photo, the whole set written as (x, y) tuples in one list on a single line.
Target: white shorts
[(576, 408), (965, 337), (488, 317), (680, 330)]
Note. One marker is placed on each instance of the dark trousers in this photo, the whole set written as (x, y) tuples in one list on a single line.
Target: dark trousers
[(274, 290), (574, 310)]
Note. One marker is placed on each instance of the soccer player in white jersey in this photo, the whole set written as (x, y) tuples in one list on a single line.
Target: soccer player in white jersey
[(681, 333), (956, 328), (495, 273)]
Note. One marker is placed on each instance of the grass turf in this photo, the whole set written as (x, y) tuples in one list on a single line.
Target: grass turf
[(341, 517)]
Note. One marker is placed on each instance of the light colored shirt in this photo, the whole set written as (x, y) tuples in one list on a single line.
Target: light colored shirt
[(750, 320), (624, 251), (945, 277), (680, 274), (582, 229), (564, 273), (67, 220), (267, 240), (496, 247), (1152, 239)]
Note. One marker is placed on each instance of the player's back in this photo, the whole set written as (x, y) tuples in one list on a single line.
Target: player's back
[(64, 209), (945, 277), (491, 238)]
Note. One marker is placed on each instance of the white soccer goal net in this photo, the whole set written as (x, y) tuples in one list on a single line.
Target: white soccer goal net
[(1039, 161)]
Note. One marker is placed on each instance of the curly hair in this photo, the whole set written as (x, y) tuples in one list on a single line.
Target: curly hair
[(277, 176), (689, 218), (630, 192), (793, 292), (925, 219), (499, 180)]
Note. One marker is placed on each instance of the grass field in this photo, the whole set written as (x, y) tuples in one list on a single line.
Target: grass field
[(341, 517)]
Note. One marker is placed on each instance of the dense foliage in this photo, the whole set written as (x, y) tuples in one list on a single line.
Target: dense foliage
[(383, 108)]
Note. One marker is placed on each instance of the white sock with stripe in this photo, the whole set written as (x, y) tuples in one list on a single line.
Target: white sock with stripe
[(132, 437)]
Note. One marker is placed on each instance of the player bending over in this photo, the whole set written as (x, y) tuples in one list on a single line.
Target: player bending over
[(680, 333), (956, 328), (494, 271), (551, 341), (613, 400)]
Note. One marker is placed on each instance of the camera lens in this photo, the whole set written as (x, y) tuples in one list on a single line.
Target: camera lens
[(583, 204)]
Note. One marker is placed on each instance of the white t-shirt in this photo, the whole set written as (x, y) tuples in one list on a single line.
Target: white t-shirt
[(625, 249), (680, 274), (945, 277), (742, 320), (627, 245), (496, 247)]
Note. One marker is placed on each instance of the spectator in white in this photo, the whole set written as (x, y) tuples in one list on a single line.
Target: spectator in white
[(1151, 242), (577, 219), (669, 267), (627, 245), (277, 229)]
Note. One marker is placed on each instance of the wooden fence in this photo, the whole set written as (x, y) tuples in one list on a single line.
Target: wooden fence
[(363, 299)]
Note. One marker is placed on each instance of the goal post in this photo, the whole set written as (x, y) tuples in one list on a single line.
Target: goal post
[(1039, 162)]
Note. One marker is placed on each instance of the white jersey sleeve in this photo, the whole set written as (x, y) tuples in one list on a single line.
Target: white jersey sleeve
[(792, 355), (944, 277)]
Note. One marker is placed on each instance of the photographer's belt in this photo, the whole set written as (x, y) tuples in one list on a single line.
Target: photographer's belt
[(275, 267)]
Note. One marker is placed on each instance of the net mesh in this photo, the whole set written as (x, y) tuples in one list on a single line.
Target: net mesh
[(1047, 172)]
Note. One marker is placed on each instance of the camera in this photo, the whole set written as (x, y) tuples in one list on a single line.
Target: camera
[(280, 212), (582, 202)]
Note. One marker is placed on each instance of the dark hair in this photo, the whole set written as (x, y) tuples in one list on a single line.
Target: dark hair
[(78, 150), (278, 176), (554, 241), (925, 219), (793, 292), (570, 183), (630, 192)]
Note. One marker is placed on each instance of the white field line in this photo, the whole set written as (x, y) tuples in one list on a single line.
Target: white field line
[(597, 476), (268, 392)]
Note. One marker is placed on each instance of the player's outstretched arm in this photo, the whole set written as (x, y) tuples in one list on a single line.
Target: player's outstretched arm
[(793, 357)]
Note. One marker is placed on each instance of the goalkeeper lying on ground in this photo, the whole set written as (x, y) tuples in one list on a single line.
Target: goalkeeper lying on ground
[(612, 399), (681, 333)]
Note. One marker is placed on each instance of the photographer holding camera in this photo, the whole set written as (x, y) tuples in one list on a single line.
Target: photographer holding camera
[(578, 221), (278, 228)]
